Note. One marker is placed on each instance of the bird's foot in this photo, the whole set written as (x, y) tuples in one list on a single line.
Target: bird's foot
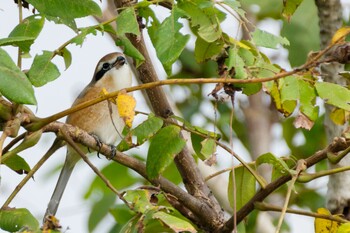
[(113, 152), (98, 144)]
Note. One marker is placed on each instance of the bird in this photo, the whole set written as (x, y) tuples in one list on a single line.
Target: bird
[(112, 73)]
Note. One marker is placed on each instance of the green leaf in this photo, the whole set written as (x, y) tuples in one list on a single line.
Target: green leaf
[(268, 40), (121, 213), (290, 6), (147, 13), (140, 200), (107, 28), (167, 39), (143, 132), (43, 70), (119, 176), (17, 164), (239, 59), (147, 129), (204, 50), (250, 88), (304, 37), (127, 22), (204, 148), (277, 163), (13, 220), (235, 61), (236, 6), (79, 39), (30, 140), (20, 41), (245, 187), (14, 84), (166, 144), (208, 147), (66, 9), (204, 17), (175, 223), (130, 50), (133, 225), (287, 107), (99, 210), (29, 27), (294, 88), (67, 57), (334, 94)]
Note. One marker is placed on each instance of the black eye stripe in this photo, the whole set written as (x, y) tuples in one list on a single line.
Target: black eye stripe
[(100, 74), (107, 66)]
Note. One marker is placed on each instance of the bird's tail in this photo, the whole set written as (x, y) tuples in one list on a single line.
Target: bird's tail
[(61, 184)]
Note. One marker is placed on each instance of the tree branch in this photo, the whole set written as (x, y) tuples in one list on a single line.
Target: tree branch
[(335, 147), (196, 206), (184, 161)]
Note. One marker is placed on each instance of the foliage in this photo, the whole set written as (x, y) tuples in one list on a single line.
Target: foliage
[(242, 70)]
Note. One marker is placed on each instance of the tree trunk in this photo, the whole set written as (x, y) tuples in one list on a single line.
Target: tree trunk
[(330, 19)]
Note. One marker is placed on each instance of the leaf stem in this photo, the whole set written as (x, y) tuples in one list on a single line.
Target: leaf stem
[(20, 18), (268, 207), (307, 177)]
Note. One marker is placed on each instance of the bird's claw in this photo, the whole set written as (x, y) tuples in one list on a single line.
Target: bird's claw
[(98, 144), (113, 152)]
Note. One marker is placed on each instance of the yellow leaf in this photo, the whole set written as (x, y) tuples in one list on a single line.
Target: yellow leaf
[(344, 228), (324, 225), (126, 107), (339, 116), (340, 35), (240, 44), (104, 92)]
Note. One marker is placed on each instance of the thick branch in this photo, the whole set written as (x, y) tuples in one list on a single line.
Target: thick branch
[(184, 161)]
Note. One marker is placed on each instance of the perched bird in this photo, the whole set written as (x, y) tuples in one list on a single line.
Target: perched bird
[(112, 73)]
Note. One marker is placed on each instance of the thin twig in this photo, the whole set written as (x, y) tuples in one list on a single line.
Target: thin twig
[(70, 141), (44, 121), (20, 18), (233, 176), (300, 167), (268, 207), (2, 140), (55, 146), (13, 142)]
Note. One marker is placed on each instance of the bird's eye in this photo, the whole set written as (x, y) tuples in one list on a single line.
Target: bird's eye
[(105, 66)]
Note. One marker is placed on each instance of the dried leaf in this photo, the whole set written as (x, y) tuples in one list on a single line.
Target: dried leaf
[(302, 121)]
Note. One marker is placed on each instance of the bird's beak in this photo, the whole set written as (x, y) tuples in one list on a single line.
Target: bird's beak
[(119, 62)]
